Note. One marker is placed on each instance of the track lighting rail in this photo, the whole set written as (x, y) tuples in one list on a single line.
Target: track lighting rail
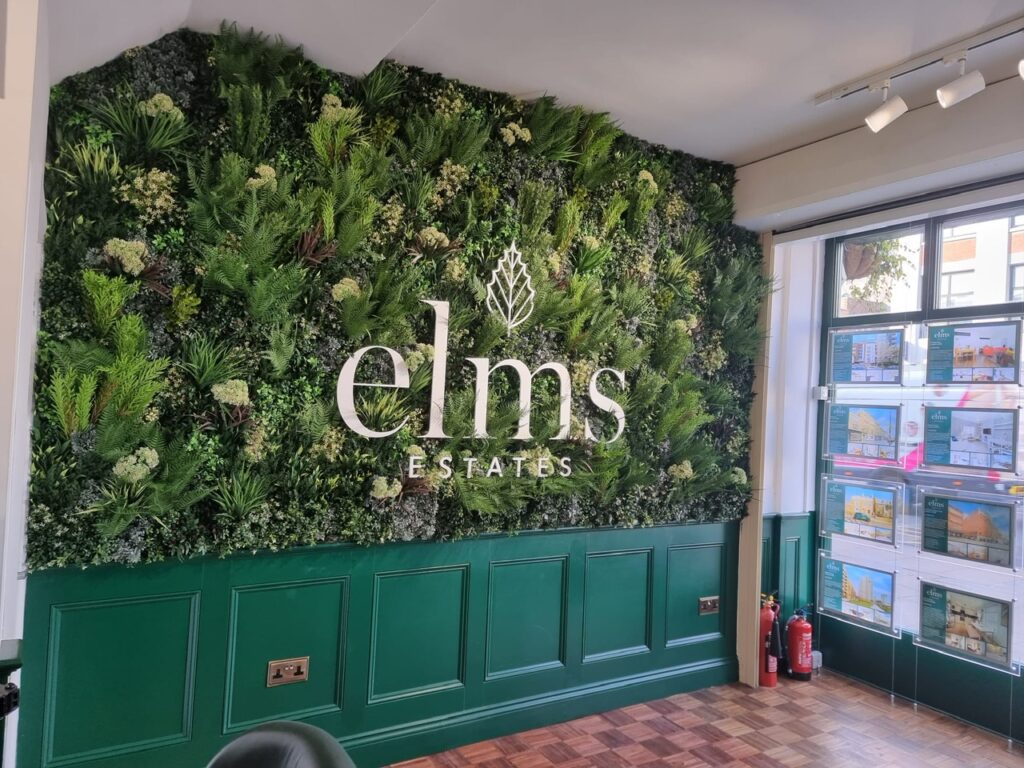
[(934, 56)]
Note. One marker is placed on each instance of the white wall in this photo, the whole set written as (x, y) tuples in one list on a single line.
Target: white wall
[(22, 226), (790, 436)]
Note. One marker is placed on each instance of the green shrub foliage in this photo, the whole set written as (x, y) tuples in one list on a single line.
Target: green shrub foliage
[(229, 222)]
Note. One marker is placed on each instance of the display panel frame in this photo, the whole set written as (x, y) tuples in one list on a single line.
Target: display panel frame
[(954, 650), (896, 490), (834, 337), (891, 629), (926, 456), (931, 366), (897, 424), (925, 493)]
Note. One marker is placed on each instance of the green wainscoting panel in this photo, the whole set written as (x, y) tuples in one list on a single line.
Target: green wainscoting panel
[(139, 649), (284, 621), (617, 605), (694, 571), (413, 647), (526, 616), (790, 542), (418, 632)]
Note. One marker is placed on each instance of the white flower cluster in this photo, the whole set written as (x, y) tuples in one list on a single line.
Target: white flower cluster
[(383, 488), (514, 132), (129, 254), (231, 392), (331, 109), (681, 472), (264, 176), (346, 288), (455, 271), (432, 238), (135, 467), (161, 104), (646, 178), (421, 353)]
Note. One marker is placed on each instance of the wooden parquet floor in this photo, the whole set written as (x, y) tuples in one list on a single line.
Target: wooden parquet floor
[(830, 721)]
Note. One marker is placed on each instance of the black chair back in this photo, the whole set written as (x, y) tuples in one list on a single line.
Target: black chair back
[(283, 744)]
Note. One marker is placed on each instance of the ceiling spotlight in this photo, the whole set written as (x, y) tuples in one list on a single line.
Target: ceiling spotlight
[(964, 86), (889, 111), (1020, 67)]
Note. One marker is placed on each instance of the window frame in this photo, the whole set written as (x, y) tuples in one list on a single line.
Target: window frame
[(1010, 282), (931, 269), (945, 295)]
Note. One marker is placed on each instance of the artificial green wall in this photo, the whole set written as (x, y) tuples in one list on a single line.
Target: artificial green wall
[(228, 223), (413, 647)]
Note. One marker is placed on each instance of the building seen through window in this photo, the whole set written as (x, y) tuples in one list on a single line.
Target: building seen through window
[(982, 262)]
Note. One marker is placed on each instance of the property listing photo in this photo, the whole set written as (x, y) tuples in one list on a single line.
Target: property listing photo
[(537, 384)]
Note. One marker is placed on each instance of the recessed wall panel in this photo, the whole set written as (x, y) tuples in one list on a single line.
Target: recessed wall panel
[(526, 616), (284, 621), (616, 609), (141, 652), (418, 632)]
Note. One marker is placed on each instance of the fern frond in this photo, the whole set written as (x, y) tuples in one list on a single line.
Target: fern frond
[(106, 297), (282, 347)]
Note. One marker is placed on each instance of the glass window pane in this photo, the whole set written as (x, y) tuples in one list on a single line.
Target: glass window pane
[(977, 260), (1017, 283), (881, 273)]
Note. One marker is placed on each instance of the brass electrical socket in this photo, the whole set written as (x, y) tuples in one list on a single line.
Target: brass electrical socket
[(707, 605), (284, 671)]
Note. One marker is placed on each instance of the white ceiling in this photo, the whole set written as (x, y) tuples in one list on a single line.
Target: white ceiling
[(731, 80)]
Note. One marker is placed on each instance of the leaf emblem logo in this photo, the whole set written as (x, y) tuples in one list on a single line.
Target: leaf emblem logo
[(510, 293)]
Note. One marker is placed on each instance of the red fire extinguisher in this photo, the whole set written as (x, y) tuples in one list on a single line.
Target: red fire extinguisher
[(771, 644), (798, 646)]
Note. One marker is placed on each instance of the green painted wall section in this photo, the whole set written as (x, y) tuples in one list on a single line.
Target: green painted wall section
[(788, 545), (412, 648), (976, 694)]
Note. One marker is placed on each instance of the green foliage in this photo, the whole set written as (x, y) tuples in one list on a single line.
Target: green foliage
[(130, 384), (431, 138), (251, 58), (170, 492), (567, 226), (209, 362), (733, 290), (591, 257), (332, 140), (144, 138), (381, 86), (184, 305), (71, 395), (315, 215), (617, 205), (105, 299), (281, 350), (596, 165), (92, 170), (536, 201), (554, 130), (248, 114), (240, 494)]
